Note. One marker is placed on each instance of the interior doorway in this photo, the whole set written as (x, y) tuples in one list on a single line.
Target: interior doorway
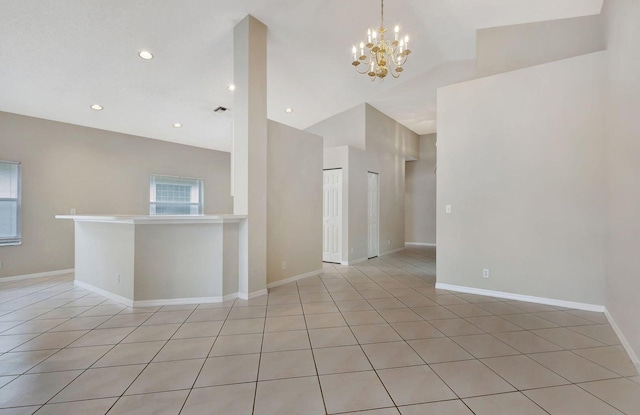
[(373, 216), (332, 216)]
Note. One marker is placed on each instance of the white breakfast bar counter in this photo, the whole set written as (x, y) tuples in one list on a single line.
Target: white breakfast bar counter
[(158, 260)]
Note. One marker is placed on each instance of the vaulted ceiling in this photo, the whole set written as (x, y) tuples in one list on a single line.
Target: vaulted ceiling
[(59, 57)]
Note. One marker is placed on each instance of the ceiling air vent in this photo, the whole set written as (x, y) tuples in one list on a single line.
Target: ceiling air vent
[(221, 109)]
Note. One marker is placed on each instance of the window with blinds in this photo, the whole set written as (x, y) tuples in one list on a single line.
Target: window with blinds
[(176, 196), (10, 203)]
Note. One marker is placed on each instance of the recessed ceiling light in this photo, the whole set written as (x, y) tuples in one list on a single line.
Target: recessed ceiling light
[(177, 125), (145, 54), (289, 110), (96, 107), (231, 87)]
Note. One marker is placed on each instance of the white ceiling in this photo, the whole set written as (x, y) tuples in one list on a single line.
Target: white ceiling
[(59, 57)]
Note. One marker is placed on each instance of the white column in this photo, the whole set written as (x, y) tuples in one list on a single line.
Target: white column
[(250, 153)]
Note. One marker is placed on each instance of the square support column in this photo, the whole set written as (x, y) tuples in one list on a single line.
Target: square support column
[(250, 153)]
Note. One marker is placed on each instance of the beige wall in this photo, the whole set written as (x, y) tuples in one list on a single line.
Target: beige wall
[(104, 250), (520, 159), (344, 129), (623, 167), (185, 261), (385, 155), (507, 48), (357, 186), (66, 166), (294, 202), (420, 194), (387, 145), (412, 147)]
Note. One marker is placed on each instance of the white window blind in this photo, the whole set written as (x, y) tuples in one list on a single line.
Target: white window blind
[(9, 203), (175, 196)]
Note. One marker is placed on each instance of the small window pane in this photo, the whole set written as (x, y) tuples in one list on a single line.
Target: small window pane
[(175, 196), (8, 219), (9, 203)]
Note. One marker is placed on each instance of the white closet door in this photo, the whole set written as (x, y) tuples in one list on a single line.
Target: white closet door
[(373, 217), (332, 216)]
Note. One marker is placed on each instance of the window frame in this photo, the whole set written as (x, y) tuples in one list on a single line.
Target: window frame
[(17, 239), (153, 201)]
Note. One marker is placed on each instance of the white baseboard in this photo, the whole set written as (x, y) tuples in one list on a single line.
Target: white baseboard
[(393, 251), (294, 278), (354, 261), (183, 301), (38, 275), (245, 296), (360, 260), (625, 343), (154, 303), (111, 296), (419, 244), (519, 297)]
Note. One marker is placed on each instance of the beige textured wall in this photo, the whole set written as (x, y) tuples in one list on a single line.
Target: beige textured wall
[(104, 250), (344, 129), (520, 159), (507, 48), (420, 194), (294, 202), (357, 205), (66, 166), (412, 147), (623, 167), (179, 261), (386, 143)]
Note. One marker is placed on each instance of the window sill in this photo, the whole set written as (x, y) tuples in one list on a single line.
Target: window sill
[(10, 243)]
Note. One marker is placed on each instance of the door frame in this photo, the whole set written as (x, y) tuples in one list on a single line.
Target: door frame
[(377, 253)]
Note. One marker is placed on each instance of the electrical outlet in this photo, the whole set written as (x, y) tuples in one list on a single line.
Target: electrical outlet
[(284, 264), (117, 278), (447, 208), (73, 211), (485, 273)]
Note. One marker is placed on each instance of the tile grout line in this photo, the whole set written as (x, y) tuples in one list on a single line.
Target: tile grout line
[(352, 276), (359, 345), (206, 357), (313, 355), (113, 347)]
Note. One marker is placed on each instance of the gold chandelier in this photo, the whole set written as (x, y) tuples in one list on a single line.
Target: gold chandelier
[(384, 56)]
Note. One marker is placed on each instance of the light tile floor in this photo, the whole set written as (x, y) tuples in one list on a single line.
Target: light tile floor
[(372, 339)]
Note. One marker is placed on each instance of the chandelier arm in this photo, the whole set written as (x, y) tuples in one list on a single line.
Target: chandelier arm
[(404, 60), (383, 57)]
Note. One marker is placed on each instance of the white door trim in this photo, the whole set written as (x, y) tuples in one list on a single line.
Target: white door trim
[(373, 251)]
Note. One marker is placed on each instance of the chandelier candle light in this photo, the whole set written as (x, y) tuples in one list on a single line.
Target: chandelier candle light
[(384, 56)]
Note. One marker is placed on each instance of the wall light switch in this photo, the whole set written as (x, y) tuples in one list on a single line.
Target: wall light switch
[(447, 208), (284, 264), (73, 211)]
